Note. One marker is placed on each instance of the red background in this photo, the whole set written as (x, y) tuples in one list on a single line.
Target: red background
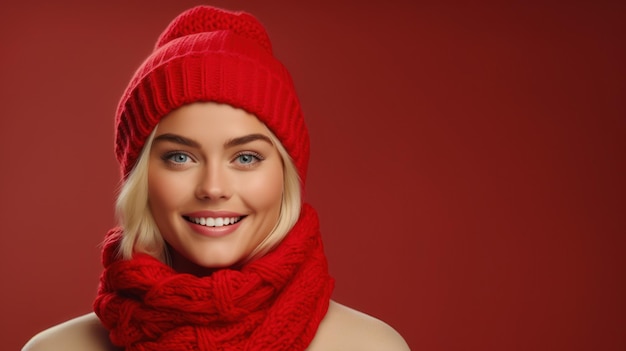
[(467, 160)]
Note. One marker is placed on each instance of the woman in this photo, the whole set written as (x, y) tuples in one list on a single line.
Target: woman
[(215, 249)]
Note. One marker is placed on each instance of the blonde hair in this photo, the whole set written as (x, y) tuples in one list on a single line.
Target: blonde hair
[(141, 234)]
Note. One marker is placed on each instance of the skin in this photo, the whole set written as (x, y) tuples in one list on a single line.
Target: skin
[(213, 157), (343, 329), (210, 173)]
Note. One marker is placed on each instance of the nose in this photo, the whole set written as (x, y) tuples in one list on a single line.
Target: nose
[(213, 184)]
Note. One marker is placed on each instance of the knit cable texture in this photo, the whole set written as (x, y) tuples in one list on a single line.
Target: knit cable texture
[(273, 303)]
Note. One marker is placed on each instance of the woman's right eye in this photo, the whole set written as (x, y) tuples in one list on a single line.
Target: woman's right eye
[(177, 158)]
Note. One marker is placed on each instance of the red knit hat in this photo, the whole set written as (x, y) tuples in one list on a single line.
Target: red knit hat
[(209, 54)]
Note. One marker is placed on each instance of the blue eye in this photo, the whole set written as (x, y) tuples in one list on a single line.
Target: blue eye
[(178, 158), (246, 159)]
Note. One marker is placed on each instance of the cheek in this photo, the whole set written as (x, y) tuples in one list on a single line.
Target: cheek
[(163, 192), (265, 190)]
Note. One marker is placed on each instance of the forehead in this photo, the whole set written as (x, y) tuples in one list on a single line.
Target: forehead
[(210, 119)]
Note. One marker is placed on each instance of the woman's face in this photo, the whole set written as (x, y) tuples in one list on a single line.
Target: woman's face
[(215, 184)]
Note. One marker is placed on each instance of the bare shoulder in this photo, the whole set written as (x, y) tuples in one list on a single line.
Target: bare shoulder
[(347, 329), (81, 333)]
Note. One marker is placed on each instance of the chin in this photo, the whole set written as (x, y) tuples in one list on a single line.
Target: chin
[(207, 263), (219, 263)]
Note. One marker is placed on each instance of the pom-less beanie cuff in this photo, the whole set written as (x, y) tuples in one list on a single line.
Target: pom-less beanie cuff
[(227, 65)]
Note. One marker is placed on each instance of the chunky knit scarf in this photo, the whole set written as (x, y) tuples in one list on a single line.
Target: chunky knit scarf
[(273, 303)]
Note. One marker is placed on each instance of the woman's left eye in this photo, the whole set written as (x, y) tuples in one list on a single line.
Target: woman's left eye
[(247, 159)]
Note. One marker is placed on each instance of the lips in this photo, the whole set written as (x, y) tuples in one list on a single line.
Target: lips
[(214, 224), (214, 221)]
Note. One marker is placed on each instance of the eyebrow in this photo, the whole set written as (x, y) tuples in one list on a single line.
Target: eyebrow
[(247, 139), (178, 139)]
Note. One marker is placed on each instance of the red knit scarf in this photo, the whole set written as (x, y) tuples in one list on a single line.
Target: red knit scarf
[(273, 303)]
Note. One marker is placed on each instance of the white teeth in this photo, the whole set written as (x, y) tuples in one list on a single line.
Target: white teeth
[(215, 222)]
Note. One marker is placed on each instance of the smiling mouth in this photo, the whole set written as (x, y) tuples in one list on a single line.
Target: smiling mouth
[(214, 221)]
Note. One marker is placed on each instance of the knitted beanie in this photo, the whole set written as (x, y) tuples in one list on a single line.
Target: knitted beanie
[(210, 54)]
